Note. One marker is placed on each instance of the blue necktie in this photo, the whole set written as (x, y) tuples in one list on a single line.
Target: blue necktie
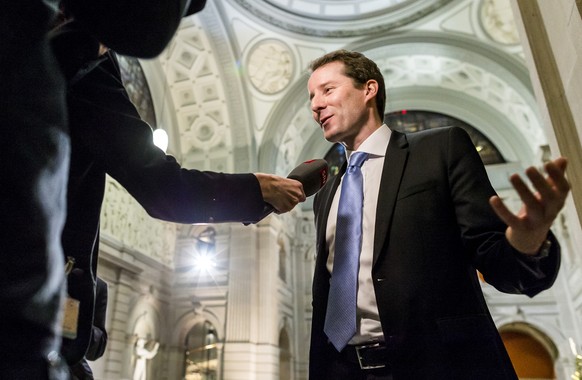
[(340, 319)]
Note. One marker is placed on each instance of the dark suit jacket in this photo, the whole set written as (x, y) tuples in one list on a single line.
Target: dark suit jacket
[(109, 137), (434, 229)]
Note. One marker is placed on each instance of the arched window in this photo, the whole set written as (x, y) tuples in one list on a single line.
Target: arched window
[(413, 121), (201, 353)]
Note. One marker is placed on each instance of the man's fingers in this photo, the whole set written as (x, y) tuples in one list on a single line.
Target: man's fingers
[(502, 211), (542, 185), (301, 197), (560, 162), (527, 197), (556, 171)]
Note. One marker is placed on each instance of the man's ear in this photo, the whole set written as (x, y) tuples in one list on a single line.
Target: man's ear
[(371, 88)]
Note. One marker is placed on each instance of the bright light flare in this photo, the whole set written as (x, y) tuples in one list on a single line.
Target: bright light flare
[(161, 139), (204, 262)]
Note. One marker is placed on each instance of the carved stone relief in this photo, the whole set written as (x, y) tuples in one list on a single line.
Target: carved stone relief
[(126, 221), (497, 20), (270, 66)]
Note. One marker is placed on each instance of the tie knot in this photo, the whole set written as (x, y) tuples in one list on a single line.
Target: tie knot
[(357, 159)]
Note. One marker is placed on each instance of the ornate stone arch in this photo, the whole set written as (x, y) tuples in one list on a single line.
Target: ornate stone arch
[(189, 319), (438, 72)]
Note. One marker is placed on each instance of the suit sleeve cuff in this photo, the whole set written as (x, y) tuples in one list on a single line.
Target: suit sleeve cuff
[(542, 253)]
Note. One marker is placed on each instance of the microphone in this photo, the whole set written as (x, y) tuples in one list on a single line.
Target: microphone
[(312, 174)]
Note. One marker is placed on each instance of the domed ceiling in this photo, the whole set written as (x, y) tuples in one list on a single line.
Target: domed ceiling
[(340, 18)]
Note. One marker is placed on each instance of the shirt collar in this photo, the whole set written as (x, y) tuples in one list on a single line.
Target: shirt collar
[(376, 144)]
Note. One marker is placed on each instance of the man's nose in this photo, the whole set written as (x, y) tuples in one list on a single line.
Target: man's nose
[(316, 104)]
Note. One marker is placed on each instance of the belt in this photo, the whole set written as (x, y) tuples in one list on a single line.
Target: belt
[(369, 356)]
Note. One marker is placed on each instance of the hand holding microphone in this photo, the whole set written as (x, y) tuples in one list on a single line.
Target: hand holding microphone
[(283, 196)]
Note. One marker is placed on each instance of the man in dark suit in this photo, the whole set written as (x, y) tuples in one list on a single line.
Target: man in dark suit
[(429, 223), (109, 137), (34, 158)]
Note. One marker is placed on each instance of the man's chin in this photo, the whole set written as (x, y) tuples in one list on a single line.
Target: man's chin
[(330, 136), (330, 139)]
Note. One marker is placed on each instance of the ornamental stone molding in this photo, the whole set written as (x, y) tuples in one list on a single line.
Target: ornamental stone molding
[(194, 82), (332, 18), (472, 80)]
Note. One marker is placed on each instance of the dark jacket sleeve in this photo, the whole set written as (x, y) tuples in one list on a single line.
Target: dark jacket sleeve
[(99, 333), (484, 233), (107, 125)]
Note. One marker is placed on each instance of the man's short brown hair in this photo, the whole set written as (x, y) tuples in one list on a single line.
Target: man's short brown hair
[(358, 67)]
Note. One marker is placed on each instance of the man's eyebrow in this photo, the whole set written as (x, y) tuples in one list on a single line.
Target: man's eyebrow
[(323, 85)]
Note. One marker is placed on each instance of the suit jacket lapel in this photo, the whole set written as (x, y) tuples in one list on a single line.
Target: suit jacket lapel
[(327, 195), (394, 163)]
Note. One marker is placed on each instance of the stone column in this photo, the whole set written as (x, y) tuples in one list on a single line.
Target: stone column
[(550, 33)]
